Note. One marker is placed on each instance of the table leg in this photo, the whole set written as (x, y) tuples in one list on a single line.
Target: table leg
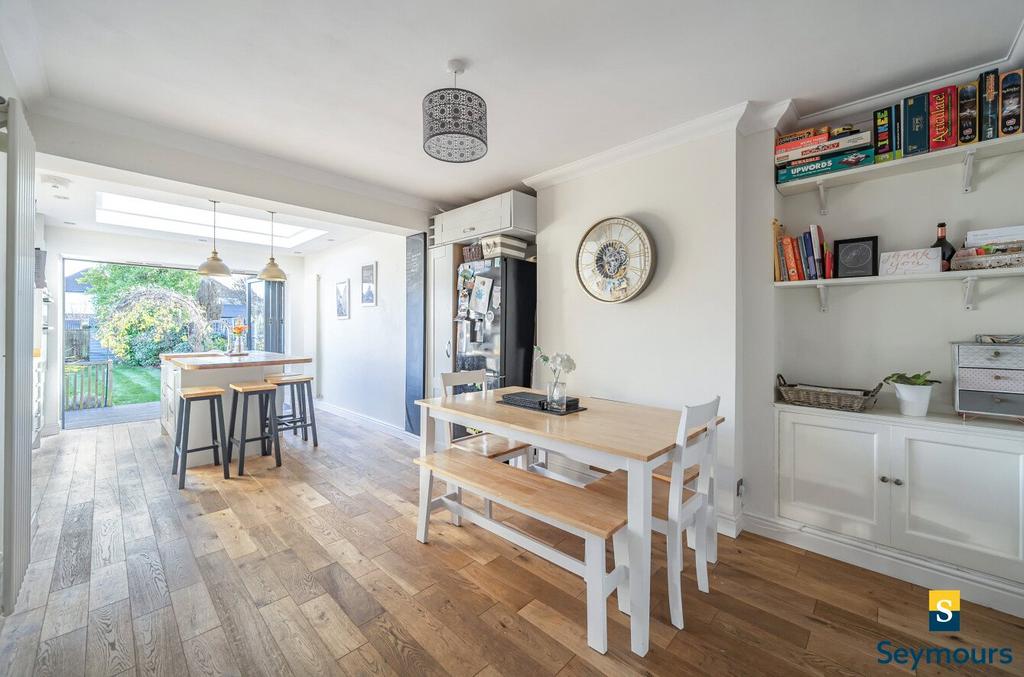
[(638, 528), (427, 432)]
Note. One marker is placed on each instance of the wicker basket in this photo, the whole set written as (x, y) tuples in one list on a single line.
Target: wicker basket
[(473, 252), (823, 397)]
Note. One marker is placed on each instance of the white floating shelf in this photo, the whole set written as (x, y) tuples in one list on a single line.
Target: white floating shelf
[(961, 155), (968, 278)]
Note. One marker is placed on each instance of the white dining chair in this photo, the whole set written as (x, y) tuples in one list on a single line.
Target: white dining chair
[(678, 505)]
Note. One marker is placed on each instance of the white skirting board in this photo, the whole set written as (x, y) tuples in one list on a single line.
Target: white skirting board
[(368, 420), (990, 591)]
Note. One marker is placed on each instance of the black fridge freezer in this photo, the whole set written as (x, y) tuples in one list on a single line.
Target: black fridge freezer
[(495, 320)]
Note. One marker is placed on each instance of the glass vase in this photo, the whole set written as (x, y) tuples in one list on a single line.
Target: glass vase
[(239, 346), (556, 396)]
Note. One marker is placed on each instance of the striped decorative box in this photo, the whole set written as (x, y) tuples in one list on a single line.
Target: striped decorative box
[(503, 245)]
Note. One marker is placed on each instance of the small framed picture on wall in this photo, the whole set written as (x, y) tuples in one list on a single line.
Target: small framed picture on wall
[(857, 257), (341, 300), (368, 287)]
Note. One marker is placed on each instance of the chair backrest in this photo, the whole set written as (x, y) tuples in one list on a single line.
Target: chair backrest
[(701, 452), (462, 378)]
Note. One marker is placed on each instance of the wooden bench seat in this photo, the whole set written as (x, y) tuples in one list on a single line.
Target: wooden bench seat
[(587, 511), (588, 514)]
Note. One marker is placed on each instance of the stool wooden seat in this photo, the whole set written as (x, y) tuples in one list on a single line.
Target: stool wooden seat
[(188, 396), (587, 514), (266, 394), (303, 413), (252, 387), (196, 392)]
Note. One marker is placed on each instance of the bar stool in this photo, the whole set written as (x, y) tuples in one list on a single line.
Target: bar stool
[(181, 451), (266, 392), (303, 416)]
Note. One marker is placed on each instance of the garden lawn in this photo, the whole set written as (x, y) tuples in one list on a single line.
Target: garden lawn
[(134, 385)]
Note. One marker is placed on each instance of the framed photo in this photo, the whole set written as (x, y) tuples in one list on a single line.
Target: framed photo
[(341, 300), (368, 286), (856, 257)]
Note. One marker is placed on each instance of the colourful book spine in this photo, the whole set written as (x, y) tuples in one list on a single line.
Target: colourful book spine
[(988, 105), (884, 134), (942, 118), (915, 124), (818, 240), (967, 104), (801, 257), (788, 248), (811, 267), (829, 273), (897, 131), (1009, 97), (780, 258)]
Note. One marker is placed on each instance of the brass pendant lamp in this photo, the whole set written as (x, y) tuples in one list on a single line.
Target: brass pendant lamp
[(272, 272), (213, 266)]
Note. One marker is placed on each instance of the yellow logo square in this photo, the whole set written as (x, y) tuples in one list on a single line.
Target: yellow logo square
[(946, 600)]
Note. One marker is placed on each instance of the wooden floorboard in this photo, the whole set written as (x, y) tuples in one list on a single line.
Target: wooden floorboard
[(313, 569)]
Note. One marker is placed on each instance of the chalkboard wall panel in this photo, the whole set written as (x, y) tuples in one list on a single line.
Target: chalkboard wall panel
[(415, 327)]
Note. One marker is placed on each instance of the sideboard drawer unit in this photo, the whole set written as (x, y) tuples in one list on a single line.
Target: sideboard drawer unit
[(996, 380), (999, 404), (994, 356)]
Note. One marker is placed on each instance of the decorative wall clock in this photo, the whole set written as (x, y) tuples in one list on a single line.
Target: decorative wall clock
[(615, 260)]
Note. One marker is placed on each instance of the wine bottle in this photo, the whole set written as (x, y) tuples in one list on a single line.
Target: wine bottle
[(942, 243)]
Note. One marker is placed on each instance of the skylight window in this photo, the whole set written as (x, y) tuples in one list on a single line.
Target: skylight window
[(134, 212)]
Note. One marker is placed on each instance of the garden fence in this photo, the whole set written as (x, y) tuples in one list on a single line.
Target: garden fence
[(88, 385)]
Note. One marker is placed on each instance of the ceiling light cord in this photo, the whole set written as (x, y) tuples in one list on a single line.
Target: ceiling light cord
[(271, 234), (214, 223)]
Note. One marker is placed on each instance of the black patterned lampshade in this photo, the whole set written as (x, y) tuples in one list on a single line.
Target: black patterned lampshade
[(454, 125)]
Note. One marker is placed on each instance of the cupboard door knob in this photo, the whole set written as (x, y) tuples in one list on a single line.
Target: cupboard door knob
[(997, 377), (898, 482), (883, 479), (996, 353), (997, 400)]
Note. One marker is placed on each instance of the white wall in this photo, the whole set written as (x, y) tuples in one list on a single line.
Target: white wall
[(92, 245), (676, 343), (362, 359), (872, 331)]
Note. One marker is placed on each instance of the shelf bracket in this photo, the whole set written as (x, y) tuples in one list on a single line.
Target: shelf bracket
[(970, 285), (822, 298), (968, 181), (822, 198)]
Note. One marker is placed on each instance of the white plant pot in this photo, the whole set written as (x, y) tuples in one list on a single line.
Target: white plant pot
[(913, 399)]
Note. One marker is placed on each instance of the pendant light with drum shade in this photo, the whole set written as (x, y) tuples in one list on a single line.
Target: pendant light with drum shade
[(213, 266), (454, 121), (272, 272)]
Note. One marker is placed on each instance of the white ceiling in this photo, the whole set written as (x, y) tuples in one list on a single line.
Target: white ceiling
[(338, 85), (68, 199)]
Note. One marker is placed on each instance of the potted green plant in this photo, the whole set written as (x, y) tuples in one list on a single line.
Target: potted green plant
[(913, 392)]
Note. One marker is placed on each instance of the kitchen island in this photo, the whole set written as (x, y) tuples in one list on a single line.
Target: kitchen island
[(182, 370)]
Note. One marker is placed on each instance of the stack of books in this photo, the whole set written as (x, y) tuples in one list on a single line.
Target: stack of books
[(821, 150), (802, 257)]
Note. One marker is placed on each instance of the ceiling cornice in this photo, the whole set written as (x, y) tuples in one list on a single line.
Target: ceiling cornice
[(1013, 58), (760, 116), (706, 125), (132, 128)]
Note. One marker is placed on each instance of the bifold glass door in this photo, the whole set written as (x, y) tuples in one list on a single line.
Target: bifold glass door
[(265, 314)]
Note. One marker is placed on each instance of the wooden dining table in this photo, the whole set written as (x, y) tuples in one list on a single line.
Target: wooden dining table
[(608, 434)]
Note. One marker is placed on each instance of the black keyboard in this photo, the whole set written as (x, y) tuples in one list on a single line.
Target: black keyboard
[(539, 401)]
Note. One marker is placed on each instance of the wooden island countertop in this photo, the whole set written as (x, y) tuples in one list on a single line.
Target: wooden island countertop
[(195, 361)]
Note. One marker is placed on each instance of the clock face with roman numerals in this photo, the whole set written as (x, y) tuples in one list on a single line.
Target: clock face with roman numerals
[(615, 260)]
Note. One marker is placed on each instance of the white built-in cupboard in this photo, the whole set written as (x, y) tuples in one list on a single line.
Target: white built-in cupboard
[(933, 487)]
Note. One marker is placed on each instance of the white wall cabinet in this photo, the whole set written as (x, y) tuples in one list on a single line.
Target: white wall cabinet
[(947, 492), (512, 213)]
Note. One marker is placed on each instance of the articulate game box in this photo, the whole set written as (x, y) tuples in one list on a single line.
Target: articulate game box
[(942, 127)]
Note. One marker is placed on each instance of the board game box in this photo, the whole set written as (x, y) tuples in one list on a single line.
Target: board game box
[(827, 165)]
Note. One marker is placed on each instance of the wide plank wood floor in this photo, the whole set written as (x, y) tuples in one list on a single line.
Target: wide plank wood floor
[(313, 569)]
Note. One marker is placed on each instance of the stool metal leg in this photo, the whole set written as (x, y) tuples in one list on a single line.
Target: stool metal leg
[(241, 439), (295, 408), (303, 414), (177, 435), (311, 421), (263, 425), (183, 455), (231, 428), (213, 432), (273, 427), (220, 428)]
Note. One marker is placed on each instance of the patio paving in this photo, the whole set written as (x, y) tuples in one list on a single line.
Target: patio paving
[(125, 413)]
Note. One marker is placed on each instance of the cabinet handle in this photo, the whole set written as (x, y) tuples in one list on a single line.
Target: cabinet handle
[(469, 230), (883, 479), (997, 377), (997, 400), (996, 353), (898, 482)]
